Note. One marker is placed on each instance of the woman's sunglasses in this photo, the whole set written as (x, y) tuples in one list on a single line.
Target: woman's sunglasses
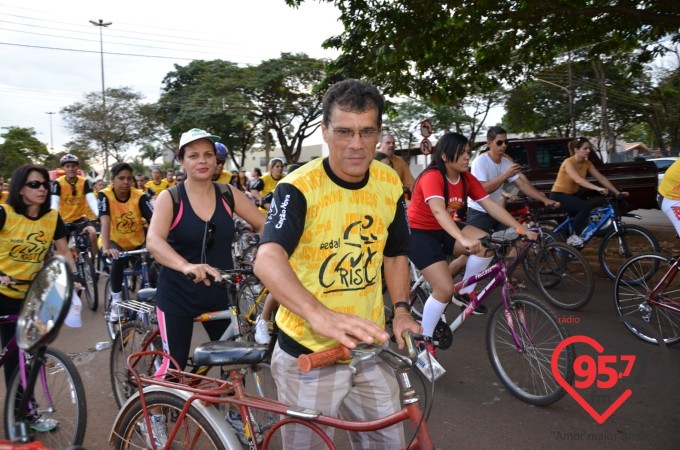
[(36, 184)]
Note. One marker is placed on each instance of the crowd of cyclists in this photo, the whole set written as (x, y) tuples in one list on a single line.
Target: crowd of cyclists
[(186, 220)]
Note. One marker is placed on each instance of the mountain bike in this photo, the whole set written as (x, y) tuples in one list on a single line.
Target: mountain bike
[(620, 242), (647, 291), (79, 243), (188, 400), (522, 331), (45, 398)]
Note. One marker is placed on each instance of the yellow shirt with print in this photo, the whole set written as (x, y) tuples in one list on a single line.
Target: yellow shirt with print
[(340, 253), (156, 188), (73, 205), (127, 222), (24, 243)]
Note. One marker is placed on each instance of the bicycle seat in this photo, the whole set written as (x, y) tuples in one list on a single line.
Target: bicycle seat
[(146, 294), (223, 353)]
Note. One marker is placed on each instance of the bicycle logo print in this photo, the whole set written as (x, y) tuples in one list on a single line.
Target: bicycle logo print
[(350, 268), (603, 371)]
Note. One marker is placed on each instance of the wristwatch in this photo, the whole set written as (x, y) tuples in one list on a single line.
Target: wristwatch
[(402, 305)]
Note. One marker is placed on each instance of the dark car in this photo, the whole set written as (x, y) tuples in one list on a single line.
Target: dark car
[(541, 159)]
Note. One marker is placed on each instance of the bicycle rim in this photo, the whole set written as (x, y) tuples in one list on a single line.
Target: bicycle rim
[(616, 249), (195, 431), (68, 406), (563, 276), (650, 318), (528, 263), (90, 276), (133, 338), (527, 374)]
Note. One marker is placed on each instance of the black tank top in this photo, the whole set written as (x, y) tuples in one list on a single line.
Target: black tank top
[(178, 295)]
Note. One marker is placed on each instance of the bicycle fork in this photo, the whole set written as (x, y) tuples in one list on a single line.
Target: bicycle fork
[(519, 343)]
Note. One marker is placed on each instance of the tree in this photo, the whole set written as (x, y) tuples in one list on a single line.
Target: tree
[(286, 94), (112, 131), (444, 51), (20, 147), (209, 95)]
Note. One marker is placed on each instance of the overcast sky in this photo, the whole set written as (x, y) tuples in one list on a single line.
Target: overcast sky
[(50, 51)]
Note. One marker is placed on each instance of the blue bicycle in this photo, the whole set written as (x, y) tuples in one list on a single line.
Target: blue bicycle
[(620, 241)]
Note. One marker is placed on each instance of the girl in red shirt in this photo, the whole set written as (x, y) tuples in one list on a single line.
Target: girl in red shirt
[(439, 192)]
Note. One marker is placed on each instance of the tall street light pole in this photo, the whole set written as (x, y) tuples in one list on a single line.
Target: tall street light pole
[(572, 119), (101, 24), (51, 135)]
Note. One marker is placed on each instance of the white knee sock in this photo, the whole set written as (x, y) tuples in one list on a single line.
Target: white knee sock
[(475, 264), (116, 297), (432, 312)]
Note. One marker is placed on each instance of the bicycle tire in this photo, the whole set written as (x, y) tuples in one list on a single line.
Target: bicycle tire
[(633, 286), (528, 263), (68, 404), (563, 276), (250, 304), (194, 426), (527, 374), (636, 240), (89, 275), (133, 337)]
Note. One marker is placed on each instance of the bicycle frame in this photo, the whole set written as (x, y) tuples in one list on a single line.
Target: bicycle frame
[(662, 285), (202, 392)]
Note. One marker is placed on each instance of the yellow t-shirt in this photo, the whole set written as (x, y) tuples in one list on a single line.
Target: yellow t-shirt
[(156, 188), (564, 184), (670, 185), (127, 222), (24, 243), (73, 205), (225, 177), (340, 253)]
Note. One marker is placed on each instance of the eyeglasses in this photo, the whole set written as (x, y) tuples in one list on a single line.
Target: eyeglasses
[(345, 134), (36, 184), (500, 142), (210, 229)]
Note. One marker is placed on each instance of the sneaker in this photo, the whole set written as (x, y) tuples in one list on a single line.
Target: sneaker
[(262, 335), (463, 300), (44, 424), (575, 241), (236, 421), (429, 346), (158, 430), (114, 312)]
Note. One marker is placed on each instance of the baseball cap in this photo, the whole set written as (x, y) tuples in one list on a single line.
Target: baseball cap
[(195, 134)]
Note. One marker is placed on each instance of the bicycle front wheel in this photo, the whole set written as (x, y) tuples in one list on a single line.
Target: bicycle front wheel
[(194, 431), (563, 276), (529, 261), (60, 401), (647, 291), (616, 248), (89, 277), (134, 337), (526, 372)]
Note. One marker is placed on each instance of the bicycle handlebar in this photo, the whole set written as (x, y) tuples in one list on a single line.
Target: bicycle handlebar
[(361, 352)]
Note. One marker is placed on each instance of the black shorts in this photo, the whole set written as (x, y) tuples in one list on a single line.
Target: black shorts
[(427, 247)]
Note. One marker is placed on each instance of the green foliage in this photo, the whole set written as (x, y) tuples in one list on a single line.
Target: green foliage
[(20, 147), (444, 51), (239, 104)]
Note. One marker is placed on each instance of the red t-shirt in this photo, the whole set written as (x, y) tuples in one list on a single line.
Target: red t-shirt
[(430, 185)]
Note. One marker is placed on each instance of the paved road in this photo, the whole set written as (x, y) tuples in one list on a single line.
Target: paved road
[(472, 409)]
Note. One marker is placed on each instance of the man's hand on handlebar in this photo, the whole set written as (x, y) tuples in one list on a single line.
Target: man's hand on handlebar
[(403, 323)]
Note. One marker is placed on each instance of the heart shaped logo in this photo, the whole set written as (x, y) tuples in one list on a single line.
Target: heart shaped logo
[(599, 418)]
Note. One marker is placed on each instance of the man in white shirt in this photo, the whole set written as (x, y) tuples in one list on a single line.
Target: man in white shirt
[(494, 168)]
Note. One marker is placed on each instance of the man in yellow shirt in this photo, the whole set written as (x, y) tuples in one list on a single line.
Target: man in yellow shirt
[(156, 184), (170, 177), (73, 196), (221, 176), (387, 146)]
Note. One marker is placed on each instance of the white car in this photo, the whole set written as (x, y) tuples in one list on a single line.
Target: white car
[(663, 164)]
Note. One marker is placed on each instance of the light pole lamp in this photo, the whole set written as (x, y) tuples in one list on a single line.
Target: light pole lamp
[(101, 24), (51, 135), (572, 119)]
